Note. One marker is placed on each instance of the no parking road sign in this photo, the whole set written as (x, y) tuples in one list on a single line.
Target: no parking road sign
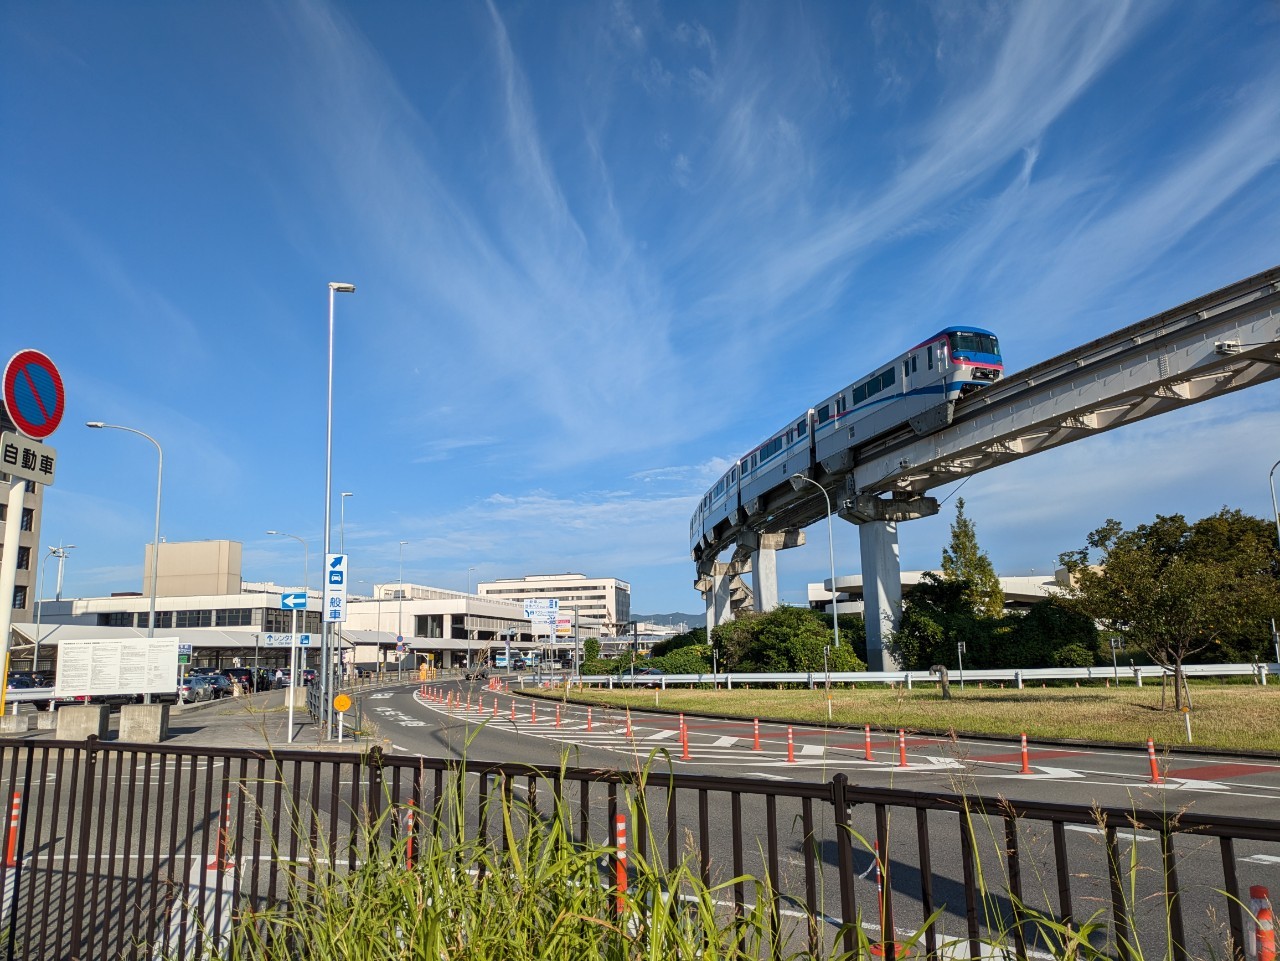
[(33, 394)]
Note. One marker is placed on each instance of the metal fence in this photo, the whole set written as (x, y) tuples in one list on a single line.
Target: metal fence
[(128, 851), (1017, 677)]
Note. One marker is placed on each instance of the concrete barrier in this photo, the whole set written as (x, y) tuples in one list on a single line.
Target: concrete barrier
[(144, 723), (77, 722), (46, 720), (15, 723)]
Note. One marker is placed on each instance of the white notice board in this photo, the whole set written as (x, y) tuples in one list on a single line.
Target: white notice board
[(135, 665)]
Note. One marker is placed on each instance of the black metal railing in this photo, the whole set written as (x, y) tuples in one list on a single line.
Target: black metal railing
[(132, 851)]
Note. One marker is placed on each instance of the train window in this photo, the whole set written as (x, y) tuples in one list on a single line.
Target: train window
[(906, 369), (973, 341), (887, 378), (913, 362), (841, 405), (733, 475), (802, 428), (824, 413), (930, 356)]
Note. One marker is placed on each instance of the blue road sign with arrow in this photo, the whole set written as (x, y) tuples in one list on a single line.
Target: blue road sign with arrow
[(293, 601)]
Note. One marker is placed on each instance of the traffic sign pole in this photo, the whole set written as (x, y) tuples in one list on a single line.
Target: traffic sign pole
[(293, 658)]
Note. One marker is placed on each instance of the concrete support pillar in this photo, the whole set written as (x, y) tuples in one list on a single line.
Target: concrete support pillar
[(716, 586), (764, 579), (877, 519), (881, 590)]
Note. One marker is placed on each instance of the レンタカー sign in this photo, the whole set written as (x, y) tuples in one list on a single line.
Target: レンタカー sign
[(542, 610), (33, 394), (26, 458)]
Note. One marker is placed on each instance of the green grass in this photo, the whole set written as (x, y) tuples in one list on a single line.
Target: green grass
[(1231, 716)]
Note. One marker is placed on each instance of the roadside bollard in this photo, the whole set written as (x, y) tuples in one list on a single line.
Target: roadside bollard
[(791, 745), (684, 744), (588, 719), (756, 745), (11, 849), (1259, 900), (902, 748), (533, 713), (629, 734), (495, 705), (513, 710), (620, 861), (408, 838), (866, 753), (557, 715), (1266, 936), (1026, 767), (1155, 768)]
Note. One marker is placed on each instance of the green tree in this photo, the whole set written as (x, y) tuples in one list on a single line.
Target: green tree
[(937, 615), (1038, 637), (965, 561), (1176, 590), (695, 637), (591, 648), (785, 639)]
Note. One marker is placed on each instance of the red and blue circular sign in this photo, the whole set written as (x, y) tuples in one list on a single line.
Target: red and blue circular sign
[(33, 394)]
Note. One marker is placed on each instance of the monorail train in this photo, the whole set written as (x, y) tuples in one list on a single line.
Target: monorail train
[(918, 388)]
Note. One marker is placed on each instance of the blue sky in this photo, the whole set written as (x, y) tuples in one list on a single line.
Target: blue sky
[(602, 249)]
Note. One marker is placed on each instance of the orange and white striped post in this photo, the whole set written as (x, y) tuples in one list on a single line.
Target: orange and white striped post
[(495, 705), (791, 745), (1266, 936), (557, 715), (866, 743), (756, 731), (222, 849), (468, 707), (902, 748), (684, 741), (1026, 766), (620, 860), (11, 849), (408, 838), (1155, 768), (513, 709), (533, 713), (629, 732), (588, 719)]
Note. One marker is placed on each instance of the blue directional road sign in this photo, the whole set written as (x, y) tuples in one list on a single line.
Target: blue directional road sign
[(293, 601), (335, 588)]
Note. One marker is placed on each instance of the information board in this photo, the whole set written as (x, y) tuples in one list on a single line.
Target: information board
[(136, 665)]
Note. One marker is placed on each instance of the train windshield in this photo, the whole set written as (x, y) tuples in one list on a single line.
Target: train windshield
[(970, 342)]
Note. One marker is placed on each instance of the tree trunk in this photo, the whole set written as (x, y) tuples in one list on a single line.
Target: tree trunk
[(1177, 684)]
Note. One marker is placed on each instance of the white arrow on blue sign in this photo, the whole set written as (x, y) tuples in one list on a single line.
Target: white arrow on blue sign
[(295, 601)]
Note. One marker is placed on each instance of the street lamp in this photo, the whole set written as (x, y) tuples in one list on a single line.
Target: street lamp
[(293, 628), (60, 553), (400, 615), (155, 559), (796, 481), (1275, 514), (469, 570), (342, 520), (325, 653)]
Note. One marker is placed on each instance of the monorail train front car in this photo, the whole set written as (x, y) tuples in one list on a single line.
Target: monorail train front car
[(918, 388)]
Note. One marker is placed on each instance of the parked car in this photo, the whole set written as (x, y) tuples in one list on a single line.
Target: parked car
[(242, 676), (195, 687), (480, 673), (221, 685), (308, 676)]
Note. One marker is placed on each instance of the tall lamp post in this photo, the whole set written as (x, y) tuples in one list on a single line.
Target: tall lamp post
[(326, 654), (400, 616), (60, 552), (1275, 515), (293, 628), (797, 482), (342, 520), (155, 558)]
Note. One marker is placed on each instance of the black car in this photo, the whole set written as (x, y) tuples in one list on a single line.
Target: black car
[(477, 674)]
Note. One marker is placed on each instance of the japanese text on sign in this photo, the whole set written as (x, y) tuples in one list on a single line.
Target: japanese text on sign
[(26, 458)]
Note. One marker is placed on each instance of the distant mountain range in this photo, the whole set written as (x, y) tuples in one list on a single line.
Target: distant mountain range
[(673, 620)]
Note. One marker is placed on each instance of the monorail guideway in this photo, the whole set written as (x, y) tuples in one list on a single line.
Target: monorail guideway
[(944, 411)]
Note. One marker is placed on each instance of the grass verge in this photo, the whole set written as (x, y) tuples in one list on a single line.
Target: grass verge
[(1234, 717)]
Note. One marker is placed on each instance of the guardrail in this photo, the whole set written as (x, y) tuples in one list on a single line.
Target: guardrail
[(1019, 677), (136, 851)]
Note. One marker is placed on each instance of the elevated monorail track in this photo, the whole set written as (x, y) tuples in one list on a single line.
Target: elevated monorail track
[(1216, 344)]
